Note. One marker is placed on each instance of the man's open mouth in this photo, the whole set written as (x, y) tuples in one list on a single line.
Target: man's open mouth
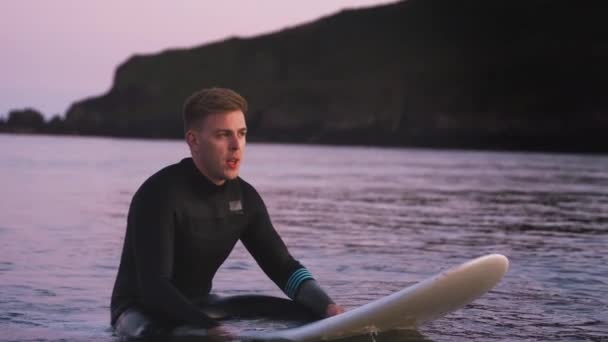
[(232, 163)]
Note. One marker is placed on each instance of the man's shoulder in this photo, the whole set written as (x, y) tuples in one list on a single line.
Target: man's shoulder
[(248, 191), (171, 171), (246, 187), (165, 179)]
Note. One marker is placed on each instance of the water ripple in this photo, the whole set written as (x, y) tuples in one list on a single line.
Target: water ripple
[(367, 222)]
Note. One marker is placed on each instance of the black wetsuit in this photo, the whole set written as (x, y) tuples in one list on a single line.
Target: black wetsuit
[(180, 229)]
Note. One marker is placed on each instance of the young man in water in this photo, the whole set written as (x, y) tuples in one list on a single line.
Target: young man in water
[(183, 223)]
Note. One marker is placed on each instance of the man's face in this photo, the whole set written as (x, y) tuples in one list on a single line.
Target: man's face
[(218, 145)]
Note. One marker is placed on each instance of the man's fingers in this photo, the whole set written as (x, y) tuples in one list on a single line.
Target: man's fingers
[(334, 309)]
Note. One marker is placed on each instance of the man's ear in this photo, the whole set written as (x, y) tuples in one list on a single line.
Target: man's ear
[(191, 139)]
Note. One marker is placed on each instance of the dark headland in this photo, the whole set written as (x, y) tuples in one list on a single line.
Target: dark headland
[(500, 74)]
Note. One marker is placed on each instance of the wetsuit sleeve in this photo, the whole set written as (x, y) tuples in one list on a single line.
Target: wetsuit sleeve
[(270, 252), (152, 218), (312, 296), (268, 249)]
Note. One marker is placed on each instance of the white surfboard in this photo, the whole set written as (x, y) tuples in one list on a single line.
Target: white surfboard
[(408, 308)]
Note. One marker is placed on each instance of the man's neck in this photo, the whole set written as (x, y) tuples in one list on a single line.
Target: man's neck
[(201, 169)]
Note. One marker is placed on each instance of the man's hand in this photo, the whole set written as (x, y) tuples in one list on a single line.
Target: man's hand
[(333, 309)]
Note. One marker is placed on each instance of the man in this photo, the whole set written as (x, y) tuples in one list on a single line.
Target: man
[(184, 221)]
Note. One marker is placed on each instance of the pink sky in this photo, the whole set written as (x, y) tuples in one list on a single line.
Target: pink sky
[(56, 52)]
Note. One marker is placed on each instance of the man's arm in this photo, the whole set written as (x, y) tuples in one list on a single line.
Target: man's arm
[(151, 217), (270, 252)]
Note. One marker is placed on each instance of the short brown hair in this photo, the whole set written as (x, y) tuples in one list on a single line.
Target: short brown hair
[(211, 101)]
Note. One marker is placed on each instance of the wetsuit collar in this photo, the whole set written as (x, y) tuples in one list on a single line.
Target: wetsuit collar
[(198, 178)]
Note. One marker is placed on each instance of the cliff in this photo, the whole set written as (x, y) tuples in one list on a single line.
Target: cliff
[(446, 73)]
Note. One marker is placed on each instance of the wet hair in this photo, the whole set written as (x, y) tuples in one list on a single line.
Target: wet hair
[(210, 101)]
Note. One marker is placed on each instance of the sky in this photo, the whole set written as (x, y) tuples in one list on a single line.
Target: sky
[(53, 53)]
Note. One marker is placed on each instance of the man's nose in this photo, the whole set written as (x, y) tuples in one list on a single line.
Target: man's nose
[(235, 142)]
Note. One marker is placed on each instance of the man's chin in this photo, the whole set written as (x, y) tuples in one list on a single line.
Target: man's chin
[(231, 175)]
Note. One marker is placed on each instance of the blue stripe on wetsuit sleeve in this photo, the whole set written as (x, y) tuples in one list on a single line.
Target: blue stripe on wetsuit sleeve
[(295, 280)]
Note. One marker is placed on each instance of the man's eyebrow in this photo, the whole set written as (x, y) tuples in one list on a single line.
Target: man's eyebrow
[(227, 130)]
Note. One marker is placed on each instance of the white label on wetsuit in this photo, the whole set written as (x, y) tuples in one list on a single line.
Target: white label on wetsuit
[(235, 205)]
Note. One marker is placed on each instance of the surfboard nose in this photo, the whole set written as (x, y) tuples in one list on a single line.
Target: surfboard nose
[(497, 262)]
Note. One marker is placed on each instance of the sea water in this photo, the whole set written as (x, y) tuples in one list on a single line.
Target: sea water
[(365, 221)]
